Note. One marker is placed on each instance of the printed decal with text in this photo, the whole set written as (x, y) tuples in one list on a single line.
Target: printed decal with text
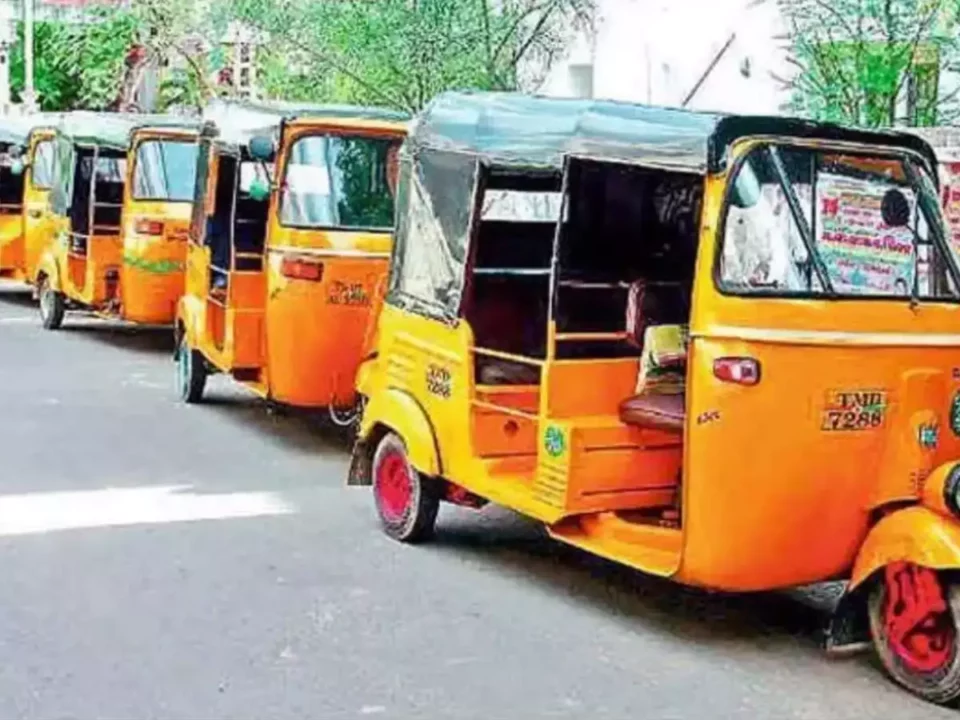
[(439, 381), (342, 293), (853, 410)]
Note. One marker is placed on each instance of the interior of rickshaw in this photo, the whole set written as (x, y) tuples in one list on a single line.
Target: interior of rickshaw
[(94, 211), (626, 252), (235, 232)]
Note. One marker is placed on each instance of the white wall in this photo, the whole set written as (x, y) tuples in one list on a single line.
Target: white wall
[(653, 51)]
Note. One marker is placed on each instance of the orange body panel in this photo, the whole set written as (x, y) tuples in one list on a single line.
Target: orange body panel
[(153, 275), (11, 244)]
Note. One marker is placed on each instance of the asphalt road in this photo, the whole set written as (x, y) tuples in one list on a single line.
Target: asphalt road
[(164, 561)]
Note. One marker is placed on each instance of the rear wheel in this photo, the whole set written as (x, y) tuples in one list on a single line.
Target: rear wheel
[(914, 615), (52, 305), (406, 501), (191, 372)]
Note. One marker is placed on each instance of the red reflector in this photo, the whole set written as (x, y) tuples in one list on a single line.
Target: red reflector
[(301, 269), (742, 371), (148, 227)]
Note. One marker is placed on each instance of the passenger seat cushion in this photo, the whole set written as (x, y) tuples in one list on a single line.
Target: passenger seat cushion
[(655, 412)]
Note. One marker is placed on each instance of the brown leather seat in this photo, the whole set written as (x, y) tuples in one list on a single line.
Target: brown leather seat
[(654, 412)]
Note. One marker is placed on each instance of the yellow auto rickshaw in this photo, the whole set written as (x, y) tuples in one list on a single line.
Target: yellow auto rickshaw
[(118, 216), (289, 245), (718, 349), (26, 157)]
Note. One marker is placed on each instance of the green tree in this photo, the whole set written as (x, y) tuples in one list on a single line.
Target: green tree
[(85, 64), (56, 83), (400, 53), (864, 61)]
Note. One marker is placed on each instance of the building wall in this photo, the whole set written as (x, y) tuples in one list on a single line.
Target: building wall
[(654, 51)]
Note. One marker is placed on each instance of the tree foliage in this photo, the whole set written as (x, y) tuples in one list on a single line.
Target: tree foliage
[(873, 62), (400, 53), (85, 64)]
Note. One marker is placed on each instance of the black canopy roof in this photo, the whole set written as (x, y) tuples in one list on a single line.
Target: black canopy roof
[(511, 129)]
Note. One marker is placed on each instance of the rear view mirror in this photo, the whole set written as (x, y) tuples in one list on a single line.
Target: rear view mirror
[(746, 188), (261, 148), (895, 208)]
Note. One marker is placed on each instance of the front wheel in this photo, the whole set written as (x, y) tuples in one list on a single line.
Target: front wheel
[(406, 501), (52, 305), (914, 618), (191, 372)]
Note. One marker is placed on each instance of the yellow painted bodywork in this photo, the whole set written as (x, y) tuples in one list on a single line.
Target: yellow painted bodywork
[(150, 269), (767, 497), (24, 234), (294, 340)]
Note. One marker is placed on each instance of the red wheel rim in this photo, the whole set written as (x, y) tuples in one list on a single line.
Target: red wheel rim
[(918, 622), (394, 486)]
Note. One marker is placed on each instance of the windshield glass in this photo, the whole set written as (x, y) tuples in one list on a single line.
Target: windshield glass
[(805, 221), (165, 170), (339, 182)]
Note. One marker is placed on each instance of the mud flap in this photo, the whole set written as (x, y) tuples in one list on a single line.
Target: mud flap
[(848, 631), (361, 459)]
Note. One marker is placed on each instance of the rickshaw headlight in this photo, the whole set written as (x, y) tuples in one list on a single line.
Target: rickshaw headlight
[(951, 490)]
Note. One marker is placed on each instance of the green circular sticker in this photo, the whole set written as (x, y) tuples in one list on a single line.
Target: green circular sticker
[(553, 441), (955, 415)]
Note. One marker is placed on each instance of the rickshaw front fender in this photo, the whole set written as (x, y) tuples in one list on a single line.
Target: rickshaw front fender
[(399, 411), (188, 321), (48, 268), (915, 534)]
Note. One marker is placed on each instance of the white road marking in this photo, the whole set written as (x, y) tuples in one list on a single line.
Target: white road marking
[(43, 512), (18, 320)]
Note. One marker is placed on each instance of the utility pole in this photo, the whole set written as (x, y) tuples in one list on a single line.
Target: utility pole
[(29, 93), (8, 37)]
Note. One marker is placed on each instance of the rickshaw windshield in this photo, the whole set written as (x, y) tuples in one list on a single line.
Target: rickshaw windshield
[(335, 181), (165, 170), (804, 221)]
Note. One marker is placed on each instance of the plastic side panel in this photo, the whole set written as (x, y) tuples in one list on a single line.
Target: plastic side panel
[(154, 266), (589, 387), (917, 535), (11, 242), (318, 331), (246, 337)]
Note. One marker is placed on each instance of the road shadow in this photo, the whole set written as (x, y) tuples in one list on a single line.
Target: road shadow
[(17, 296), (519, 546), (305, 432), (144, 340)]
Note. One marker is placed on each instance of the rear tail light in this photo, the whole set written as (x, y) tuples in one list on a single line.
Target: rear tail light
[(738, 370), (302, 269), (148, 227)]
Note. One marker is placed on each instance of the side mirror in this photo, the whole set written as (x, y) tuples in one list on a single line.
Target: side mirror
[(895, 208), (261, 148), (746, 188)]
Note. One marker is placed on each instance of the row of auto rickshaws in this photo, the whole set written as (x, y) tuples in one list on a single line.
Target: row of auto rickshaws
[(718, 349)]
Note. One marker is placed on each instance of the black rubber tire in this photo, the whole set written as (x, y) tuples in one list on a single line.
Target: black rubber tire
[(941, 687), (53, 305), (191, 373), (420, 516)]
